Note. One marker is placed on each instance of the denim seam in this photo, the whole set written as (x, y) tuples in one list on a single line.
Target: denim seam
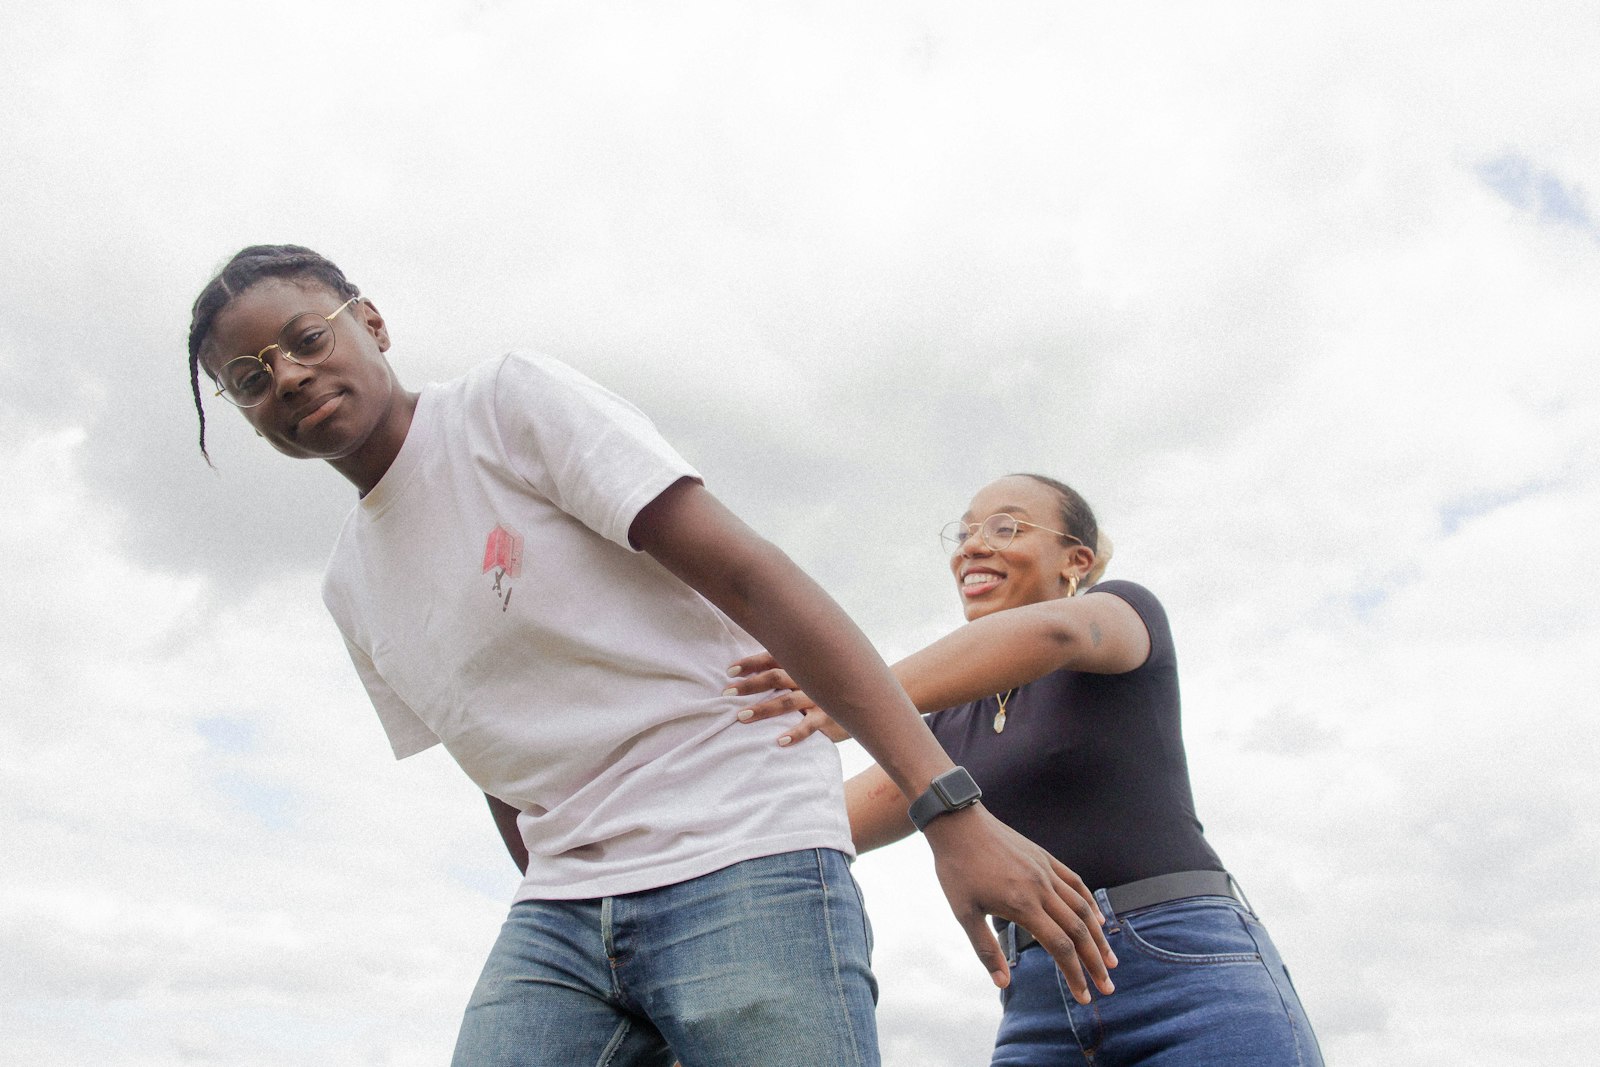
[(1155, 952), (1288, 1013), (608, 945), (618, 1036), (833, 951), (1072, 1009)]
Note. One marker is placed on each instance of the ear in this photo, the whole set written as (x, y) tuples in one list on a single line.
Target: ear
[(1076, 563), (372, 320)]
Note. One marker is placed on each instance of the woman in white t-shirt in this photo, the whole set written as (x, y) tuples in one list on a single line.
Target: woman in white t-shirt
[(533, 578)]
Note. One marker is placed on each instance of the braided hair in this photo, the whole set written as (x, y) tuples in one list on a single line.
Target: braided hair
[(245, 269)]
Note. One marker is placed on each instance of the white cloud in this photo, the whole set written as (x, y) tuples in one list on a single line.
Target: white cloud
[(1303, 301)]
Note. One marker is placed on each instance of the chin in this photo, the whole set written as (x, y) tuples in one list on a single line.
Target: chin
[(978, 611)]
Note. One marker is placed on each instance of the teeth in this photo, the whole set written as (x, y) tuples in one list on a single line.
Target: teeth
[(979, 578)]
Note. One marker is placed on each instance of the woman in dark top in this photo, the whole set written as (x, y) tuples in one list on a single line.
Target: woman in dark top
[(1064, 707)]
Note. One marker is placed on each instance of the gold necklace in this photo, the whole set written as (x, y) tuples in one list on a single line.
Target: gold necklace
[(1000, 716)]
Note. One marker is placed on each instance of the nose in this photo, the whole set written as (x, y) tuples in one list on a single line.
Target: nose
[(289, 376), (973, 544)]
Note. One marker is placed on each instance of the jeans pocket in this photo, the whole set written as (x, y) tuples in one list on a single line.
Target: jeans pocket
[(1194, 931)]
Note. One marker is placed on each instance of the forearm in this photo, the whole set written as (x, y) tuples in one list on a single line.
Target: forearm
[(707, 547), (1096, 634), (984, 657), (877, 810), (832, 660)]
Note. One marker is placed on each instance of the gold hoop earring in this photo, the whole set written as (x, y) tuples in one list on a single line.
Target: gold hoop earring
[(1072, 585)]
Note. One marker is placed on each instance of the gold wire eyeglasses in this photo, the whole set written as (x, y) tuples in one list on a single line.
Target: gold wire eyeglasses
[(996, 532), (306, 340)]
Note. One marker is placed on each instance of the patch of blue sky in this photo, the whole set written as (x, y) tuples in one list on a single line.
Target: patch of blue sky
[(1541, 193), (228, 735), (1365, 601), (1458, 512), (274, 805)]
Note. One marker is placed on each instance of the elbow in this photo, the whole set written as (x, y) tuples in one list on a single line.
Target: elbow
[(1063, 636)]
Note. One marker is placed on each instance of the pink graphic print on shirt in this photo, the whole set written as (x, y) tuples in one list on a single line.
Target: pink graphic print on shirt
[(502, 553)]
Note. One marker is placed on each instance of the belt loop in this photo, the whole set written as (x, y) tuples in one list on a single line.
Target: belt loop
[(1238, 891), (1104, 900)]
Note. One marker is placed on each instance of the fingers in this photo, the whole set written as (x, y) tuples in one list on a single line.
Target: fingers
[(1077, 944), (1095, 920), (828, 725), (792, 700), (987, 947), (760, 674), (1071, 932), (984, 864), (759, 681), (813, 720), (761, 661)]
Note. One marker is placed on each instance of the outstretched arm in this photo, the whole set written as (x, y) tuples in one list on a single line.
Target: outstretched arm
[(983, 867), (1098, 634)]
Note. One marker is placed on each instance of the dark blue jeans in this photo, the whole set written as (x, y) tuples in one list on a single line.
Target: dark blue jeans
[(761, 964), (1198, 982)]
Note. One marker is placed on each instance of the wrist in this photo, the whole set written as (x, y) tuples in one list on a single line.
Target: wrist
[(948, 793)]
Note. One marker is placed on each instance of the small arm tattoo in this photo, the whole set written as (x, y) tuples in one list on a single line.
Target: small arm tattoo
[(1095, 636)]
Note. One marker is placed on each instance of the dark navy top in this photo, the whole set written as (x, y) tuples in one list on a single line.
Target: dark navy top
[(1091, 766)]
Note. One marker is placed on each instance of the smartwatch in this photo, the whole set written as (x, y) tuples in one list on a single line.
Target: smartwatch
[(951, 791)]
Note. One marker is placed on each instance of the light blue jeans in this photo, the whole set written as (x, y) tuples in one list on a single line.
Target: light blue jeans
[(761, 964), (1198, 982)]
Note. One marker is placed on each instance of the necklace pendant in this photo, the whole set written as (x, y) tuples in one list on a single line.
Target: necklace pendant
[(1000, 716)]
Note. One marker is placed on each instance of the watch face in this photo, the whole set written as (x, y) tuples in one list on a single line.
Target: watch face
[(957, 788)]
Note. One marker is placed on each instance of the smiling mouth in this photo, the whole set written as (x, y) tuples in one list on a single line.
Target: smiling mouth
[(324, 408), (979, 582)]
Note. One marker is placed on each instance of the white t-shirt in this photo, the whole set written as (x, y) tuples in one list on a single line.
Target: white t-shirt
[(491, 601)]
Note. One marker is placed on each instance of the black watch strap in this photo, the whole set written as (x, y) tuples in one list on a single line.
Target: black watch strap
[(951, 791)]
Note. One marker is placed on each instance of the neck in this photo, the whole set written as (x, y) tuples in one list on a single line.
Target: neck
[(366, 466)]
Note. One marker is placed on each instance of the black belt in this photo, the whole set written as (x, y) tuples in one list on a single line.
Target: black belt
[(1147, 893)]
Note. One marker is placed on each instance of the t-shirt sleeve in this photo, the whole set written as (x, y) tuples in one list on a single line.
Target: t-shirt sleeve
[(1150, 610), (585, 449), (408, 734)]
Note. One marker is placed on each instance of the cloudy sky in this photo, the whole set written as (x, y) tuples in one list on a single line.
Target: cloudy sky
[(1302, 297)]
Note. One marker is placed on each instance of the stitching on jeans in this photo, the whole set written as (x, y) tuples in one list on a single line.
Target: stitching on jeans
[(1288, 1013), (833, 952), (1072, 1010), (1187, 959), (608, 945), (609, 1053)]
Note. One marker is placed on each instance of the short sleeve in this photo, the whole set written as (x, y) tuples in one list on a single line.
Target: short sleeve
[(585, 449), (408, 734), (1149, 609)]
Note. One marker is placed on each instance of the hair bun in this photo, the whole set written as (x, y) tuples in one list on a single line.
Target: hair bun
[(1103, 550)]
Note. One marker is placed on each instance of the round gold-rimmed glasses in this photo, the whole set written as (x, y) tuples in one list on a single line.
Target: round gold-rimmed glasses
[(996, 532), (307, 339)]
